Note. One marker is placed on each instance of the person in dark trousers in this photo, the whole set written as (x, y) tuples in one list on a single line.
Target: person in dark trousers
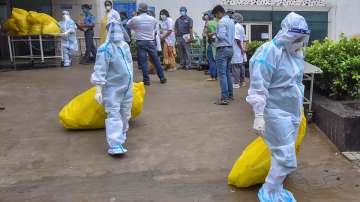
[(87, 26), (225, 34), (145, 27), (184, 37)]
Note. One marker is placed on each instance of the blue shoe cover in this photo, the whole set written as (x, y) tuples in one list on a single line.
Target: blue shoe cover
[(117, 150), (283, 196)]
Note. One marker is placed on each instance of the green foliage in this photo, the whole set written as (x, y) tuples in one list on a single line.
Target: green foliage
[(252, 46), (340, 62), (133, 48), (197, 41)]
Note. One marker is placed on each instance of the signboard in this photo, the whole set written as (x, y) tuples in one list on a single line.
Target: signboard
[(129, 8)]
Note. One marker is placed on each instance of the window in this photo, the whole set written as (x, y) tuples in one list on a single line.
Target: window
[(258, 31), (3, 12)]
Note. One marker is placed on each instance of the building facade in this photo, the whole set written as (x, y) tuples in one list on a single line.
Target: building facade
[(326, 18), (262, 17)]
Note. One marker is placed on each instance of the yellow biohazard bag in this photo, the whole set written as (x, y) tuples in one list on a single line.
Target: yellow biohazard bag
[(20, 17), (10, 26), (35, 29), (253, 165), (103, 32), (83, 112), (51, 28), (49, 24), (19, 11), (46, 19), (33, 18), (23, 22)]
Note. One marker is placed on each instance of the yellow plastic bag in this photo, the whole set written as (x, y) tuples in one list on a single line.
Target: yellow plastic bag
[(103, 32), (10, 25), (19, 11), (21, 20), (35, 29), (83, 112), (51, 28), (34, 18), (138, 99), (46, 19), (253, 165)]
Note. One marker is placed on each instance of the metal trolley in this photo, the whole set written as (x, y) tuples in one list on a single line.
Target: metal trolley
[(198, 53), (309, 76), (36, 44), (197, 57)]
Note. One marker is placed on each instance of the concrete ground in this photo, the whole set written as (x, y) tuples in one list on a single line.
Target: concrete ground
[(181, 148)]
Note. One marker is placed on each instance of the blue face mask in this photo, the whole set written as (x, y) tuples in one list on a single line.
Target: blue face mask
[(86, 11), (183, 13)]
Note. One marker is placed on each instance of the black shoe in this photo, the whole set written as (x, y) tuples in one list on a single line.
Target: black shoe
[(230, 98), (147, 83), (163, 81), (222, 102)]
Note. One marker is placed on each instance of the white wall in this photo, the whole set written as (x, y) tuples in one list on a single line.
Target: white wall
[(195, 9), (344, 17)]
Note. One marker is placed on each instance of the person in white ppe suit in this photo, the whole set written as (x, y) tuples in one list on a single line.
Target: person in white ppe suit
[(113, 77), (276, 94), (68, 40)]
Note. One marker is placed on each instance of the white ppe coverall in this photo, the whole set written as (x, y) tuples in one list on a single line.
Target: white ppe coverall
[(113, 76), (68, 40), (276, 93), (114, 16)]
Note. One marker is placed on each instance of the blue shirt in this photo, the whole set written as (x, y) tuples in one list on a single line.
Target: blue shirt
[(225, 32), (89, 20)]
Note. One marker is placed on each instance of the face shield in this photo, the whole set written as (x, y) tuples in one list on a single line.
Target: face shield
[(114, 32), (294, 33), (114, 28), (66, 16)]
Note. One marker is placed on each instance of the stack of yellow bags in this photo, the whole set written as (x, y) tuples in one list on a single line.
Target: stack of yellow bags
[(25, 23)]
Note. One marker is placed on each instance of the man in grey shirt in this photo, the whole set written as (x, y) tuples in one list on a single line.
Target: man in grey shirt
[(225, 34), (184, 36)]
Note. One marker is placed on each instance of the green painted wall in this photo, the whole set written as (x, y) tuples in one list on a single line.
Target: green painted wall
[(317, 21)]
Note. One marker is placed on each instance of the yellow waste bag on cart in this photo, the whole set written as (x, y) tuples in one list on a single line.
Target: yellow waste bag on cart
[(11, 26), (253, 165), (35, 29), (20, 11), (51, 28), (83, 112), (33, 17), (20, 17)]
